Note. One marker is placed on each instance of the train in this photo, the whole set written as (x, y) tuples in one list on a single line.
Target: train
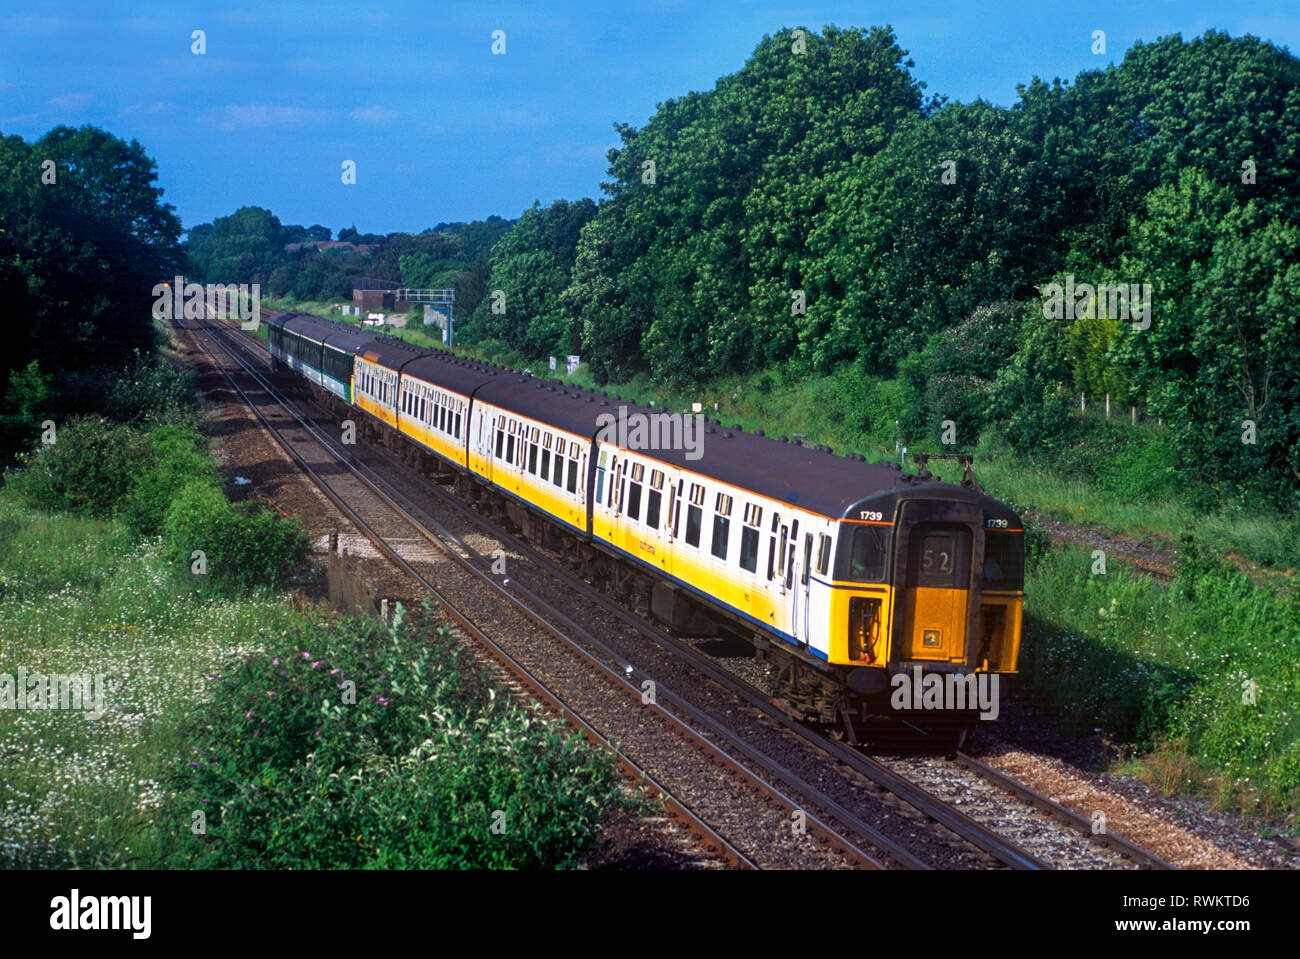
[(876, 594)]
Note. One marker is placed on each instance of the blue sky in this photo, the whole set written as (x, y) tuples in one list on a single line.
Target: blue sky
[(442, 129)]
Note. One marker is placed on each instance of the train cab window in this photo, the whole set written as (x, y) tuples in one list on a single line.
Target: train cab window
[(1004, 565), (721, 525), (864, 556), (823, 553), (807, 559)]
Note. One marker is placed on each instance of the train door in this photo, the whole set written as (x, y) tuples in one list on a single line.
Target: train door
[(796, 583), (934, 604), (487, 449)]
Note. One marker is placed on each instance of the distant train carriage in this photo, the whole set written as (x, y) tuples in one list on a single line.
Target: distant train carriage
[(322, 351)]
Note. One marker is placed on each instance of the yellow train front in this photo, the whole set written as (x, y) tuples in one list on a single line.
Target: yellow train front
[(926, 607)]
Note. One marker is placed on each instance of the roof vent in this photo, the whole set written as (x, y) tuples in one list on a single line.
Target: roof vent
[(759, 433), (783, 439), (727, 435), (797, 442)]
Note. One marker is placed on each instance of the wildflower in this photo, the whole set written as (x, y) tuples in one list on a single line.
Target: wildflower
[(316, 664)]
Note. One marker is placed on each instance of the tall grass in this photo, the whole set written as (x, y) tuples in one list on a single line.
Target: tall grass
[(1204, 668)]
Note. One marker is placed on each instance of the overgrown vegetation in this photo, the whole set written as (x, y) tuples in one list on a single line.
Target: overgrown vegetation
[(152, 468), (374, 747), (1202, 671)]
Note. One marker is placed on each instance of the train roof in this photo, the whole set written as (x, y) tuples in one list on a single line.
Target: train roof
[(451, 372), (808, 476), (340, 335)]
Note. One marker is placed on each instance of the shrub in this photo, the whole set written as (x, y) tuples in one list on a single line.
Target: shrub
[(181, 456), (411, 770), (149, 390), (244, 544), (90, 469)]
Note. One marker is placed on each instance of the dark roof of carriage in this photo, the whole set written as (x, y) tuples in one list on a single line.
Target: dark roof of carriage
[(808, 476)]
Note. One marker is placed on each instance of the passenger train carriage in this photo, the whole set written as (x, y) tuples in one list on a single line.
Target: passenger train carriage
[(844, 574)]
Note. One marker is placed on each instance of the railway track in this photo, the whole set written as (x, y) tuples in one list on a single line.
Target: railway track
[(858, 767)]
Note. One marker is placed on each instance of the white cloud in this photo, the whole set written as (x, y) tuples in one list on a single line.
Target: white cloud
[(380, 116), (69, 101), (249, 115)]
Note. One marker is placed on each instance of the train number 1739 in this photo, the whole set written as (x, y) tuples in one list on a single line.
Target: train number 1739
[(870, 514), (995, 524)]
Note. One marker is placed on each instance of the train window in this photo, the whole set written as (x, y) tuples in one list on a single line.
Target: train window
[(653, 501), (546, 463), (457, 431), (753, 515), (510, 448), (634, 498), (656, 479), (501, 442), (697, 494), (721, 530), (442, 419), (532, 456), (823, 553), (807, 559), (694, 516), (573, 473), (600, 481), (558, 476), (1004, 566), (749, 548)]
